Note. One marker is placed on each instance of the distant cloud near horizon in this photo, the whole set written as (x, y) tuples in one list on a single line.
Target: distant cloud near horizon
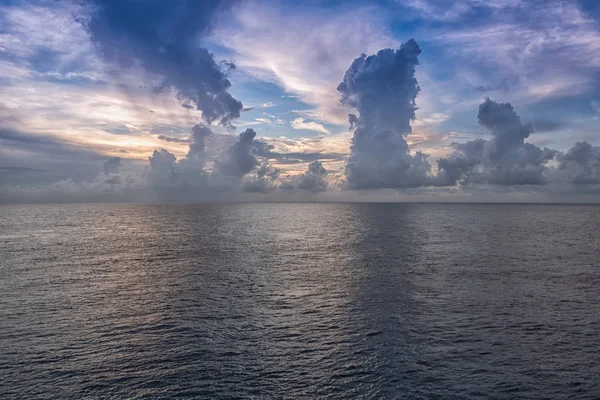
[(503, 160), (120, 98)]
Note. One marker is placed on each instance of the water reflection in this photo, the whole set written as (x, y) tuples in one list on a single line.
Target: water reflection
[(298, 300)]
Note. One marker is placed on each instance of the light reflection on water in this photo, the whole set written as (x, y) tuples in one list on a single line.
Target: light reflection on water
[(300, 301)]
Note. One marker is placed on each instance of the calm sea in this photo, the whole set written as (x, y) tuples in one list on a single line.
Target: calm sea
[(334, 301)]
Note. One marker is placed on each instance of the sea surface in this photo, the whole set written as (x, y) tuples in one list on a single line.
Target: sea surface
[(300, 301)]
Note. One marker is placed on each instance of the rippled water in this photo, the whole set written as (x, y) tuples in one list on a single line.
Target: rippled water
[(300, 301)]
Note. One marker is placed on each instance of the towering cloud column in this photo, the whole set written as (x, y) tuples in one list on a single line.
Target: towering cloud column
[(383, 89)]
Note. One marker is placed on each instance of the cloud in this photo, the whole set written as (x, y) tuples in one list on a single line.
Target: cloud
[(161, 165), (112, 166), (531, 53), (503, 160), (264, 180), (504, 85), (313, 180), (545, 125), (529, 48), (196, 152), (21, 149), (353, 120), (324, 43), (27, 177), (580, 165), (541, 53), (171, 139), (299, 123), (453, 10), (163, 38), (484, 169), (383, 89), (269, 119), (596, 107), (58, 51), (505, 126), (237, 160), (96, 109), (265, 149)]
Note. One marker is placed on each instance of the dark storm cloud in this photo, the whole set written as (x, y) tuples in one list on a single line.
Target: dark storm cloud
[(112, 166), (163, 37), (238, 159), (503, 160), (383, 89)]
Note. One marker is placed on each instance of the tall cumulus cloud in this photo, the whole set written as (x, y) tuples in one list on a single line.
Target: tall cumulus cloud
[(383, 89)]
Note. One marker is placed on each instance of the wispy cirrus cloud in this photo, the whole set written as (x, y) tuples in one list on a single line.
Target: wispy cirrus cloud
[(303, 51), (538, 54), (453, 10), (596, 108), (545, 49), (55, 85), (62, 107), (301, 124)]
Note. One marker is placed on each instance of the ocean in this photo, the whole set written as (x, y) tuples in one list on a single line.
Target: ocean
[(300, 301)]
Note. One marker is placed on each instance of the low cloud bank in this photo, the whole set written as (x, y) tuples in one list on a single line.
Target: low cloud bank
[(382, 88)]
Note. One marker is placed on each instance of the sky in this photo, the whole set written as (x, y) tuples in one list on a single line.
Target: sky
[(399, 100)]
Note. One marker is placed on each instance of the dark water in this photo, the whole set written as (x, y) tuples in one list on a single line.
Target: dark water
[(300, 301)]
